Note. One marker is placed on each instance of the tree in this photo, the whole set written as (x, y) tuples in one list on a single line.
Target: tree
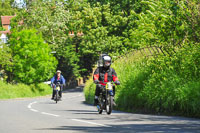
[(114, 27), (6, 8), (50, 18), (166, 23), (5, 59), (32, 58)]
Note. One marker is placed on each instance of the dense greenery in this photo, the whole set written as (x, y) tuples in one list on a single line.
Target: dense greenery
[(6, 8), (32, 58), (5, 56), (168, 83), (8, 91), (108, 26), (79, 30), (172, 83), (165, 84)]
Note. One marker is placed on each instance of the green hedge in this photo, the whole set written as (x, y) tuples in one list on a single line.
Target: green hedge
[(164, 84), (8, 91)]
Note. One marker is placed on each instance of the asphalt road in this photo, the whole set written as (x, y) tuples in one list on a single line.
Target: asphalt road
[(72, 115)]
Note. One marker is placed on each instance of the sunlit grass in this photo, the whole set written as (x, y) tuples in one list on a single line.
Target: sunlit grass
[(8, 91)]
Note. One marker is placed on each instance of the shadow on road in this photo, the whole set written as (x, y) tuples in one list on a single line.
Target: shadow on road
[(77, 89), (82, 111), (125, 128)]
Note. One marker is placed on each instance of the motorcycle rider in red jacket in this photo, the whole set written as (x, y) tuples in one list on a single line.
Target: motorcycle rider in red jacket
[(104, 74)]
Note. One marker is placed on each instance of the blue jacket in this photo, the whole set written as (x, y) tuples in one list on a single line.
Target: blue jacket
[(61, 80)]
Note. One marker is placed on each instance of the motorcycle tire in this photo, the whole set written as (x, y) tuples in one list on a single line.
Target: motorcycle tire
[(56, 96), (109, 104)]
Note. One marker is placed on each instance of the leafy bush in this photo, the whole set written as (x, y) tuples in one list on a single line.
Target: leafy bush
[(5, 60), (32, 58), (173, 81)]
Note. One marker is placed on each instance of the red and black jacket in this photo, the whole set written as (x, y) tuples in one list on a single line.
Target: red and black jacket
[(105, 75)]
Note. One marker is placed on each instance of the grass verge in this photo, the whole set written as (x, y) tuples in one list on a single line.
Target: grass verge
[(9, 91)]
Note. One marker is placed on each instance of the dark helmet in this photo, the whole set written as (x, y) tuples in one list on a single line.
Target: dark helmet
[(107, 61)]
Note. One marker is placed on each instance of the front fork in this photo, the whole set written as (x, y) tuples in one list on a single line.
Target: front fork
[(107, 99), (104, 97)]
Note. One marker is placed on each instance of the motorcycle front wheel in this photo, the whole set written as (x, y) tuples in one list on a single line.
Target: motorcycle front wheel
[(109, 104), (100, 106), (56, 96)]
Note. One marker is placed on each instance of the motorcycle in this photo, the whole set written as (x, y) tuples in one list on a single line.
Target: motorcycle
[(57, 89), (106, 98)]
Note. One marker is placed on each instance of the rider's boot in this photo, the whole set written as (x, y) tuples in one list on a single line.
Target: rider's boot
[(96, 101)]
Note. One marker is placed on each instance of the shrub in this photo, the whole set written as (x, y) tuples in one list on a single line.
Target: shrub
[(33, 62)]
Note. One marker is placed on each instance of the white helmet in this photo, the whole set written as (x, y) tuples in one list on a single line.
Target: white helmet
[(106, 61), (58, 71)]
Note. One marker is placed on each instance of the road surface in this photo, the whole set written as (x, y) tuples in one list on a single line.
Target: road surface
[(72, 115)]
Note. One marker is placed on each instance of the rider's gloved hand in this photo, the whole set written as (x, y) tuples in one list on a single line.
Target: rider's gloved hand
[(96, 81), (117, 82), (99, 85)]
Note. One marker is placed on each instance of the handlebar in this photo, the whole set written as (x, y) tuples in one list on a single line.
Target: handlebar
[(100, 85), (98, 82), (57, 84)]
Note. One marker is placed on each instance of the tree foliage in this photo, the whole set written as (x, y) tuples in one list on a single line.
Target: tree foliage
[(113, 27), (50, 18), (5, 60), (166, 83), (166, 22), (6, 8), (5, 55), (32, 58)]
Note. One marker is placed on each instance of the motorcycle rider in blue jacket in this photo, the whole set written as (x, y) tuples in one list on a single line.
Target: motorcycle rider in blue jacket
[(57, 78)]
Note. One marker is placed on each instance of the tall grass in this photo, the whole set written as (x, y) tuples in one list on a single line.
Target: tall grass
[(163, 84), (89, 90), (8, 91)]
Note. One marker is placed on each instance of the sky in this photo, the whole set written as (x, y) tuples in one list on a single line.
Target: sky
[(19, 2)]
